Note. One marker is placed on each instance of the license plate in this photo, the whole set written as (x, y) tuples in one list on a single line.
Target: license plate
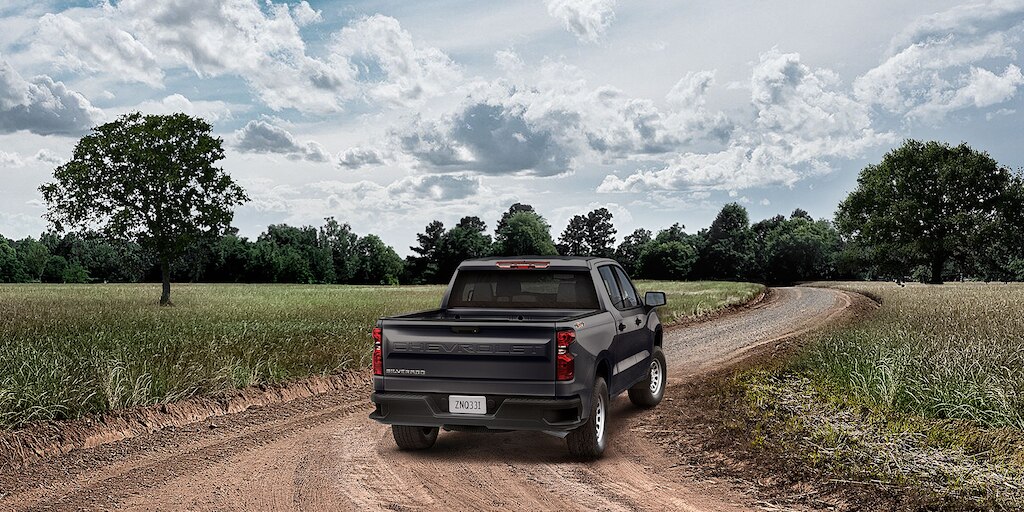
[(461, 404)]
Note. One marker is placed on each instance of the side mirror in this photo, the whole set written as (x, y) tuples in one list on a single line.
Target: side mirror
[(654, 299)]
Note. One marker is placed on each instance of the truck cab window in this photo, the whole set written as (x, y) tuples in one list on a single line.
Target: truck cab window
[(612, 287), (629, 296)]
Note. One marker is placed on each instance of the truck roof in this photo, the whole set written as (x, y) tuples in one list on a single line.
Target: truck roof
[(587, 262)]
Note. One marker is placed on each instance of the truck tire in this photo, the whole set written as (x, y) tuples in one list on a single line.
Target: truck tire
[(589, 440), (414, 438), (649, 392)]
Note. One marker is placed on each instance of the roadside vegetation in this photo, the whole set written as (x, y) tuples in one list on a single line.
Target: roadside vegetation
[(70, 350), (927, 393)]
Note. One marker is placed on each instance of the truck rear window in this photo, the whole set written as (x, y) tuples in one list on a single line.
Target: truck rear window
[(523, 289)]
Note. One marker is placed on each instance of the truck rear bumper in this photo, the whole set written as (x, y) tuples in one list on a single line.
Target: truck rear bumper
[(503, 413)]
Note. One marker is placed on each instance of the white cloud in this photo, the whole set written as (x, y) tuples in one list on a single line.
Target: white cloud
[(588, 20), (305, 15), (538, 123), (43, 156), (95, 44), (212, 111), (42, 106), (10, 159), (931, 65), (373, 58), (980, 88), (356, 157), (260, 136), (391, 68), (802, 122)]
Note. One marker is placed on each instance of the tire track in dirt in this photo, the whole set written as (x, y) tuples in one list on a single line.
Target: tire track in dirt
[(323, 453)]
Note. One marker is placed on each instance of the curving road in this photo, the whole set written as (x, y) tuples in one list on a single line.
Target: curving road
[(323, 453)]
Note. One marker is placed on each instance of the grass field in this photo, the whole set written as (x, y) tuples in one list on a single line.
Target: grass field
[(926, 394), (69, 350)]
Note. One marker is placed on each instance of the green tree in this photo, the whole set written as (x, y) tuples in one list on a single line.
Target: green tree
[(795, 249), (152, 179), (573, 241), (667, 259), (468, 239), (628, 252), (525, 233), (11, 270), (512, 210), (590, 235), (378, 262), (342, 243), (727, 251), (600, 233), (33, 256), (423, 267), (926, 203)]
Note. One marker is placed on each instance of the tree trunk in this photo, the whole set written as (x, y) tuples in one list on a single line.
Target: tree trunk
[(165, 271), (938, 265)]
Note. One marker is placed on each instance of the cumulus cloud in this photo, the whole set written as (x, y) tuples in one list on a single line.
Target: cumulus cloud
[(802, 121), (588, 20), (42, 106), (373, 58), (410, 198), (382, 56), (212, 111), (305, 15), (43, 156), (10, 159), (259, 136), (488, 139), (356, 157), (934, 66), (539, 123), (95, 44)]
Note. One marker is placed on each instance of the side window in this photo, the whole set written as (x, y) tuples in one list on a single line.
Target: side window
[(611, 286), (629, 297)]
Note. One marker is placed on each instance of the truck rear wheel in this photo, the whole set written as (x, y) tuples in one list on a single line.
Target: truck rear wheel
[(649, 392), (588, 441), (414, 438)]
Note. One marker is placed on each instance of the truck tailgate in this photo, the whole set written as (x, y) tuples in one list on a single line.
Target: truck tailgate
[(462, 350)]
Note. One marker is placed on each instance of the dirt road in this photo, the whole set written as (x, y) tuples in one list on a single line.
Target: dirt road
[(323, 453)]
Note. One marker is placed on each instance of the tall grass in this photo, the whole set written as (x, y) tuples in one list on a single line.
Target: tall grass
[(951, 351), (68, 350)]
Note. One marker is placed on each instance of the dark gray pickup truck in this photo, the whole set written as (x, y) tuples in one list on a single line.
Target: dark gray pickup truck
[(528, 343)]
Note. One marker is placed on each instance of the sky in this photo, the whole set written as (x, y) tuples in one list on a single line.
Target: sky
[(389, 114)]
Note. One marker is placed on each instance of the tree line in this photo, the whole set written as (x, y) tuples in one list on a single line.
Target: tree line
[(142, 199)]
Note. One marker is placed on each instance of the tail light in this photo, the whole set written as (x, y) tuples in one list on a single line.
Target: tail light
[(378, 355), (565, 366)]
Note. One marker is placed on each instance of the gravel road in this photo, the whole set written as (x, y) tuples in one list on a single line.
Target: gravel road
[(322, 453)]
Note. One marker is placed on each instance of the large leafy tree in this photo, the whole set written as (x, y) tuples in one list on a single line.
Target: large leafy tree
[(152, 179), (524, 233), (378, 263), (727, 251), (927, 203), (468, 239), (795, 249), (573, 241), (589, 235), (628, 252), (341, 241), (423, 266)]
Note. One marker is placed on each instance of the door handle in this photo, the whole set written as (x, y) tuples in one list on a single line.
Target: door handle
[(638, 321), (622, 326)]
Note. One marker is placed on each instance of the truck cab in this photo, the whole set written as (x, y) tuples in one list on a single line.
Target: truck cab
[(527, 343)]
